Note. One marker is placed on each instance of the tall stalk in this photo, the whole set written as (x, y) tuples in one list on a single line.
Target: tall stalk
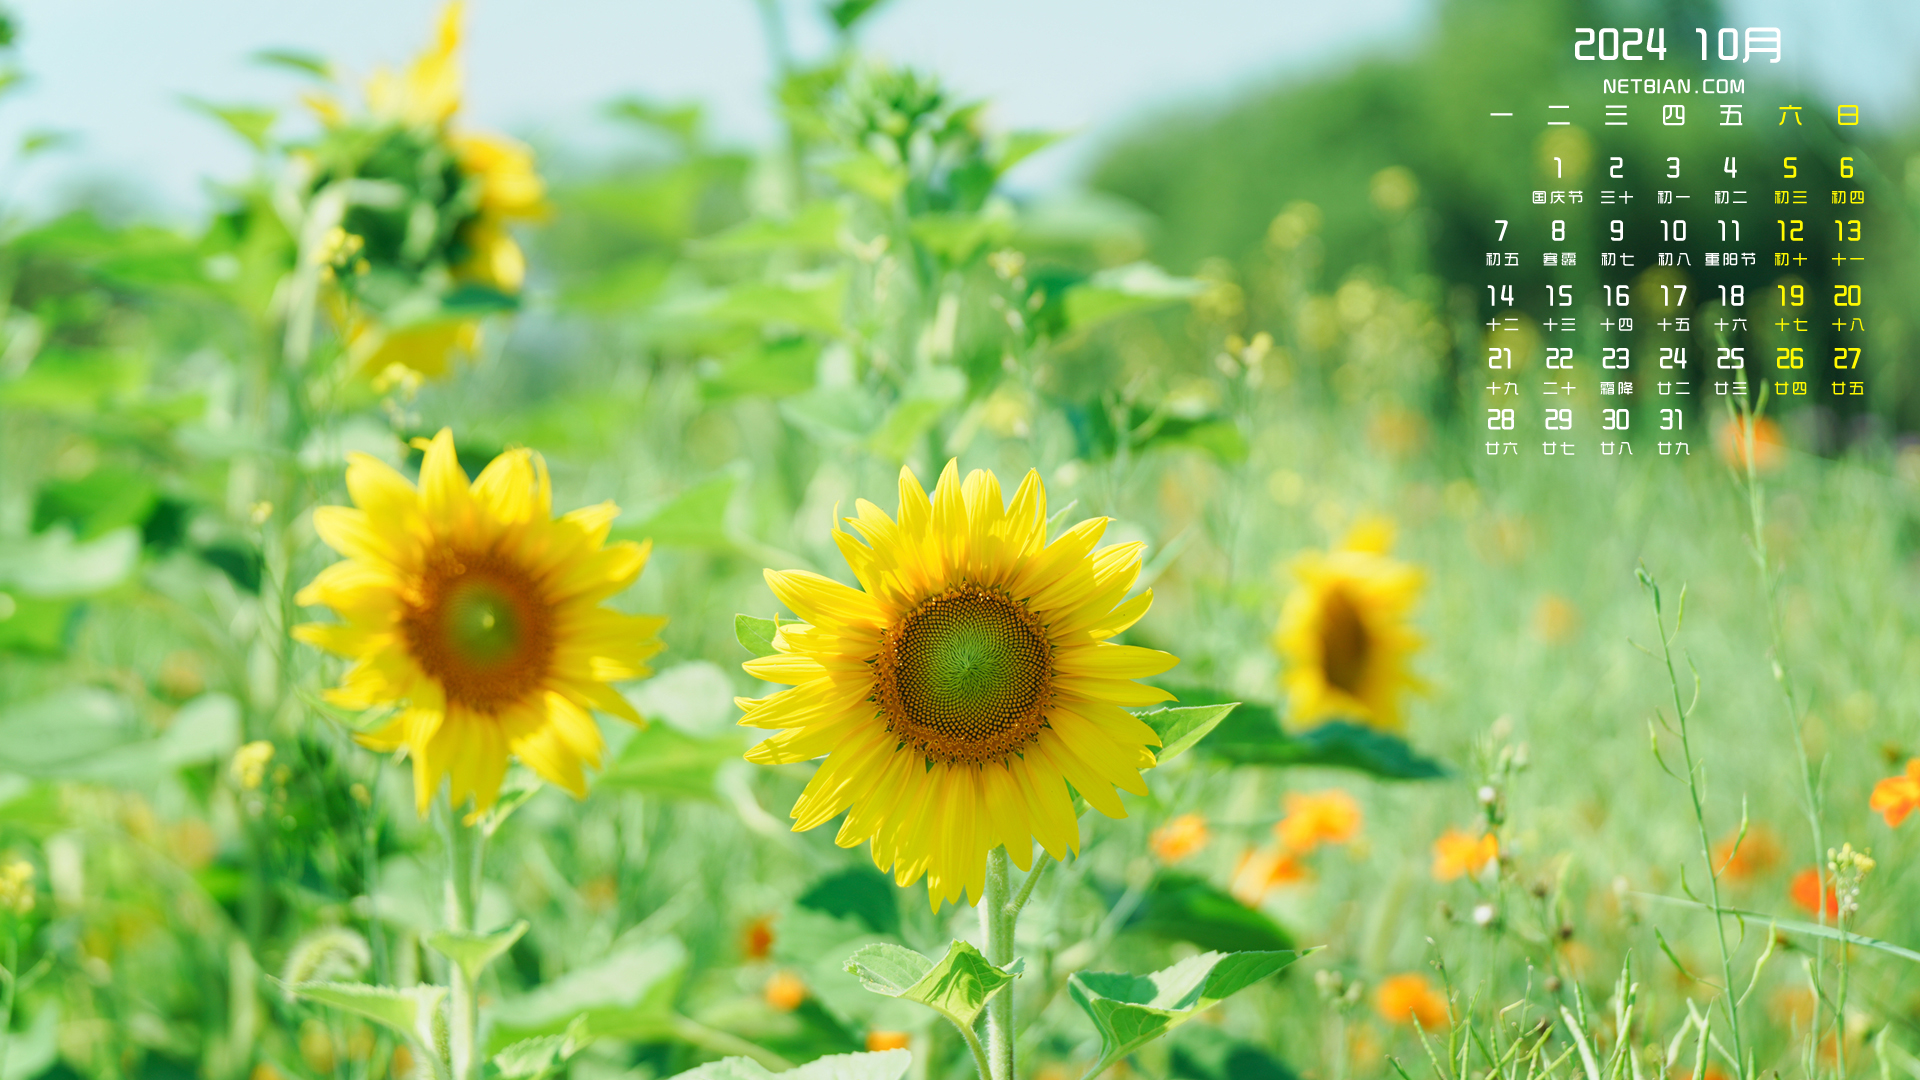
[(465, 849), (997, 918), (1697, 798), (1745, 419)]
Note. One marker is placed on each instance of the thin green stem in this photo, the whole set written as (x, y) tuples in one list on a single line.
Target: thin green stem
[(997, 918), (1026, 887), (1698, 801), (465, 848), (1746, 418)]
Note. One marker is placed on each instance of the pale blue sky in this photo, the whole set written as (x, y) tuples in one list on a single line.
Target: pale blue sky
[(112, 71)]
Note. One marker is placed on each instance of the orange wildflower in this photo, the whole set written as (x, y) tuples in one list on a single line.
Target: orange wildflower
[(1411, 999), (1182, 836), (1461, 854), (1754, 855), (785, 991), (1806, 891), (1897, 796), (1767, 445), (1261, 872), (756, 940), (1331, 816), (887, 1040)]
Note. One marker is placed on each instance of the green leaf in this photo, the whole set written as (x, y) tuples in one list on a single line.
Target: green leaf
[(816, 228), (31, 625), (204, 729), (1130, 1011), (883, 1065), (472, 951), (628, 995), (755, 635), (1251, 735), (846, 13), (664, 761), (1021, 145), (541, 1055), (858, 892), (773, 369), (294, 60), (958, 238), (1180, 728), (409, 1012), (1123, 290), (680, 121), (927, 397), (74, 382), (868, 175), (53, 564), (843, 416), (67, 734), (958, 987), (806, 302), (1336, 744), (1221, 438), (696, 518), (105, 499), (1184, 907), (250, 122)]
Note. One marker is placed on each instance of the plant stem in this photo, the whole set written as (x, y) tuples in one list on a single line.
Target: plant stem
[(465, 844), (998, 914), (1746, 418), (1681, 710)]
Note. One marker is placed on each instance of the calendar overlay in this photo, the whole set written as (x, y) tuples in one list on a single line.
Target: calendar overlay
[(1686, 240)]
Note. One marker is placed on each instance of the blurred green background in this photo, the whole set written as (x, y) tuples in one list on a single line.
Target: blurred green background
[(1237, 311)]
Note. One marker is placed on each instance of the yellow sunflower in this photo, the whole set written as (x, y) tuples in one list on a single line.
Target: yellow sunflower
[(967, 682), (1345, 635), (478, 615), (429, 90)]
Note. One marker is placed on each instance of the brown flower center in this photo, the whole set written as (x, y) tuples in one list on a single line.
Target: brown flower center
[(1345, 645), (966, 676), (481, 628)]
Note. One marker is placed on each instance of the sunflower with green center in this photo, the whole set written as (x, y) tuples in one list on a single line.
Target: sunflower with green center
[(1345, 635), (478, 615), (967, 682)]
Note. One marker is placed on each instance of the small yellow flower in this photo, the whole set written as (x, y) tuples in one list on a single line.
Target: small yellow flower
[(1459, 854), (478, 614), (965, 685), (1411, 999), (887, 1040), (1344, 632), (249, 766), (1182, 836), (16, 887), (785, 991), (1331, 816), (1260, 872)]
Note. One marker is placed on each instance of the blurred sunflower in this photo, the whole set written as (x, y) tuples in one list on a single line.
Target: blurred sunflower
[(968, 681), (446, 234), (478, 614), (1344, 632)]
